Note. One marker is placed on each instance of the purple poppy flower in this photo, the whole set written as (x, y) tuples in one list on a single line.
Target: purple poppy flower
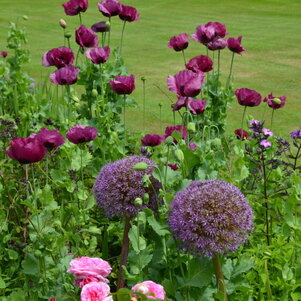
[(248, 97), (152, 140), (267, 132), (64, 76), (265, 143), (123, 84), (109, 8), (129, 14), (178, 43), (102, 26), (241, 134), (74, 7), (50, 139), (179, 128), (201, 63), (81, 134), (235, 45), (181, 103), (207, 32), (275, 102), (186, 83), (58, 57), (85, 37), (98, 55), (217, 44), (197, 106), (172, 166), (3, 53), (26, 150)]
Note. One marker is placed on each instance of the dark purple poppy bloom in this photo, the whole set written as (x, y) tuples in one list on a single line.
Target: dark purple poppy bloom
[(241, 134), (123, 84), (26, 150), (152, 140), (58, 57), (81, 134), (98, 55), (210, 217), (74, 7), (207, 32), (248, 97), (3, 53), (109, 8), (186, 83), (172, 166), (178, 43), (50, 139), (129, 13), (275, 102), (200, 63), (118, 185), (197, 106), (102, 26), (64, 76), (85, 37), (235, 45), (181, 103), (179, 128), (217, 44)]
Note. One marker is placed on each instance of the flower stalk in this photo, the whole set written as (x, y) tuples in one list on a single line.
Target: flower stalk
[(219, 276)]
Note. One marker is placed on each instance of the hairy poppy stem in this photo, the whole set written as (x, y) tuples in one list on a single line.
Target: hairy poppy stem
[(124, 252), (230, 73), (121, 39), (184, 57), (219, 276), (242, 121), (272, 118)]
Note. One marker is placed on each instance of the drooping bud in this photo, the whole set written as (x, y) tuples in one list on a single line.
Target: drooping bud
[(63, 23), (191, 127), (141, 166), (179, 155), (138, 202), (216, 142), (25, 17), (94, 92), (169, 140)]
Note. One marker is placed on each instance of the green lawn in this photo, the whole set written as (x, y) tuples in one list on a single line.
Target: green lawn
[(270, 30)]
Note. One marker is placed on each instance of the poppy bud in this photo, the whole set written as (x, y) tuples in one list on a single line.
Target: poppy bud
[(75, 98), (216, 142), (138, 202), (63, 23), (179, 155), (169, 140), (143, 78), (191, 127), (108, 25), (140, 166), (25, 17), (276, 101), (68, 35), (94, 92), (146, 198)]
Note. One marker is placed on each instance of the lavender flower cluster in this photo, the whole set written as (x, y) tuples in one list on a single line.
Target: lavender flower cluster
[(210, 217), (118, 185)]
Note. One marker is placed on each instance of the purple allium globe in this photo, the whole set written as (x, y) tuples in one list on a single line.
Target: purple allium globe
[(118, 185), (210, 217)]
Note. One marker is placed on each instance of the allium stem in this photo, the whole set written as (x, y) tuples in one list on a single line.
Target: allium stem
[(219, 276), (184, 57), (230, 73), (124, 100), (124, 252), (121, 39)]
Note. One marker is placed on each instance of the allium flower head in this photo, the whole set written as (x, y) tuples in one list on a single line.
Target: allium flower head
[(178, 43), (150, 287), (275, 102), (118, 185), (210, 217)]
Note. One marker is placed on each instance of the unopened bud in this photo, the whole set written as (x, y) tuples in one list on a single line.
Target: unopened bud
[(108, 25), (94, 92), (169, 140), (179, 155), (75, 98), (216, 142), (191, 127), (138, 202), (63, 23), (276, 101), (140, 166), (68, 35), (143, 78), (25, 17), (146, 198)]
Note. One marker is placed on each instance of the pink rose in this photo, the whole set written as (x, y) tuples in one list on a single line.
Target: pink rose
[(85, 267), (150, 287), (95, 291)]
